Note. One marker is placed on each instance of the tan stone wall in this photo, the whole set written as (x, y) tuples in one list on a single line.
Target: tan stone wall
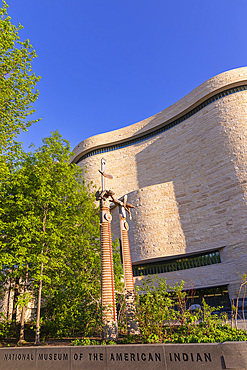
[(188, 183)]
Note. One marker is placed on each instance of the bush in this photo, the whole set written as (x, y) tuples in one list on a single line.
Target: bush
[(85, 342), (5, 327), (163, 317), (90, 342)]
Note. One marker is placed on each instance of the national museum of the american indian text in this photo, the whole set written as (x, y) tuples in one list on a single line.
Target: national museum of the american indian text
[(185, 171)]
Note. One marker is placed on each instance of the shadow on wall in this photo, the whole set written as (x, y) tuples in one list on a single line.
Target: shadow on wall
[(190, 197)]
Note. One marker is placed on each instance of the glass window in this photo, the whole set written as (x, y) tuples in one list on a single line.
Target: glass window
[(176, 265)]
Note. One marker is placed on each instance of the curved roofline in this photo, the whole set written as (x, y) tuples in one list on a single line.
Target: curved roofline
[(213, 89)]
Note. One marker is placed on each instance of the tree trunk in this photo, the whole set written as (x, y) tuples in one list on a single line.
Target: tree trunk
[(21, 339), (37, 332), (9, 317), (15, 300)]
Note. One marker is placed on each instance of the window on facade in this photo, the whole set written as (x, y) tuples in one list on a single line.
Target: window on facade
[(214, 297), (183, 263)]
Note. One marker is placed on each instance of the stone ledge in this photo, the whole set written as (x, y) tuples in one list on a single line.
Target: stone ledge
[(228, 355)]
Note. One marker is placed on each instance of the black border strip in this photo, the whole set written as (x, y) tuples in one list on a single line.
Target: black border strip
[(165, 127)]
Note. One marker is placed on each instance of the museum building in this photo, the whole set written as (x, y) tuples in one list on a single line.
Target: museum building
[(185, 171)]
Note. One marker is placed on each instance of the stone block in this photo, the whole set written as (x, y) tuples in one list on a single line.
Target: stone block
[(194, 356), (88, 357), (235, 355), (136, 357), (18, 359)]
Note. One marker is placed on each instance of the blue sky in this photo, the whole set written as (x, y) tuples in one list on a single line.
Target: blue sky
[(108, 64)]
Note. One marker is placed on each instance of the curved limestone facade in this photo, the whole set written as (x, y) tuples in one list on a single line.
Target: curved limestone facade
[(185, 170)]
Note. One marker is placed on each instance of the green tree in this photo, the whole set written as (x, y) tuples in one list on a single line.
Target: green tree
[(50, 229), (17, 87), (17, 82)]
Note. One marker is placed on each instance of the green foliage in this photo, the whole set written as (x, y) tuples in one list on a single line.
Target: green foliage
[(153, 338), (201, 334), (163, 317), (91, 342), (112, 343), (154, 306), (17, 86), (85, 342), (50, 228), (51, 240), (129, 339), (5, 328), (17, 81)]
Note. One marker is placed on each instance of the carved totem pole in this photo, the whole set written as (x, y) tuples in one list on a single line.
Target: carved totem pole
[(129, 289), (107, 275), (109, 314)]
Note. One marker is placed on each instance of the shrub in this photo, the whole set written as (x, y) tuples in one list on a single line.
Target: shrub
[(163, 317)]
